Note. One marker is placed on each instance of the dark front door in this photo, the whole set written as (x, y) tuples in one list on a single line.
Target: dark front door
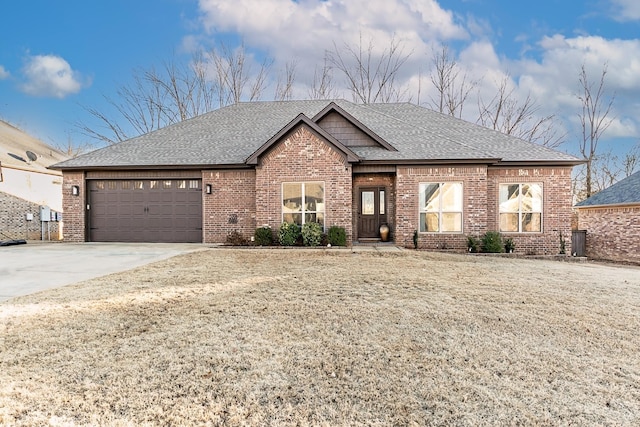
[(372, 211)]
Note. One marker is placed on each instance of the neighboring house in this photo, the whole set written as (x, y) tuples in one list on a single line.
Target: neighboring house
[(26, 185), (332, 162), (611, 219)]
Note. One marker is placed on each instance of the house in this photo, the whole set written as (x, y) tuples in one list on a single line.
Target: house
[(611, 219), (332, 162), (28, 189)]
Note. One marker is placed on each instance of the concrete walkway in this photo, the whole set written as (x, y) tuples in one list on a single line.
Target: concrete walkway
[(36, 266)]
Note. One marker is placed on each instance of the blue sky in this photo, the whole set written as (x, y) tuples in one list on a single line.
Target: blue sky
[(58, 56)]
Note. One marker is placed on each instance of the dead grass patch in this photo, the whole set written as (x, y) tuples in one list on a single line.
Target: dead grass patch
[(288, 337)]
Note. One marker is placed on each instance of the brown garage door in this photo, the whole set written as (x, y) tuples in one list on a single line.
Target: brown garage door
[(168, 210)]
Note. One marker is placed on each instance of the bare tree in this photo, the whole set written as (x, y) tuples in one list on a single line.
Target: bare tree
[(233, 74), (594, 119), (72, 149), (322, 86), (370, 78), (160, 97), (520, 118), (631, 161), (284, 85), (452, 87)]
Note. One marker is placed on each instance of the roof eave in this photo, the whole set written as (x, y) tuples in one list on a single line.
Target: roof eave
[(610, 205)]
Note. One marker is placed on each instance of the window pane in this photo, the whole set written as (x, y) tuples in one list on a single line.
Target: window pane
[(292, 198), (509, 222), (194, 183), (100, 185), (138, 185), (182, 183), (368, 203), (314, 192), (153, 184), (429, 197), (294, 218), (126, 185), (452, 197), (509, 197), (531, 198), (452, 221), (381, 202), (113, 185), (429, 222), (166, 184), (310, 217), (531, 222)]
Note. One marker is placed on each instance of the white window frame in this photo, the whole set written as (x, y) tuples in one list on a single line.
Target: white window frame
[(422, 208), (304, 210), (520, 211)]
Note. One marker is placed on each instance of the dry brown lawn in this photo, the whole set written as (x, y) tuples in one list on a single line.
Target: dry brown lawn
[(315, 337)]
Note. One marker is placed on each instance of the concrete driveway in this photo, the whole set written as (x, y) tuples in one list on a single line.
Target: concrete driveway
[(30, 268)]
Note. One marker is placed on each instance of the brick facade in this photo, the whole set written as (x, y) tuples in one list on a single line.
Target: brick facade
[(73, 206), (14, 223), (231, 206), (557, 207), (612, 232), (303, 157), (474, 180)]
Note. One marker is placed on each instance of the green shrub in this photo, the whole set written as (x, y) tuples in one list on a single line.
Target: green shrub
[(311, 234), (492, 242), (509, 245), (337, 236), (473, 244), (288, 234), (264, 236)]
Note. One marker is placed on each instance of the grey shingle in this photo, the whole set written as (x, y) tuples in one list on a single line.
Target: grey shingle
[(626, 191), (231, 134)]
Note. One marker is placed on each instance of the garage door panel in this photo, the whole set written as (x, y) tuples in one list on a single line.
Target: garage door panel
[(145, 211)]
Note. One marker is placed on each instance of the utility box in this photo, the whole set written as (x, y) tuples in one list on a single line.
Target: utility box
[(45, 213), (29, 216)]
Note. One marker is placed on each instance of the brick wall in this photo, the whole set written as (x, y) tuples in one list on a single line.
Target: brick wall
[(303, 157), (612, 232), (73, 207), (14, 224), (557, 207), (231, 206), (474, 179)]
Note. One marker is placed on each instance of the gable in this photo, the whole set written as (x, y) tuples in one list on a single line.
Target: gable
[(312, 127), (345, 132)]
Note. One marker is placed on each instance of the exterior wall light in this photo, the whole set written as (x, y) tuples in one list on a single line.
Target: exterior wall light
[(208, 189), (75, 190)]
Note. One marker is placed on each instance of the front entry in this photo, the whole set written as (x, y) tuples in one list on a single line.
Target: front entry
[(372, 211)]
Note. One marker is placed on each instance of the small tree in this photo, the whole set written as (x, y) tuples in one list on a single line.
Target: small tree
[(492, 242)]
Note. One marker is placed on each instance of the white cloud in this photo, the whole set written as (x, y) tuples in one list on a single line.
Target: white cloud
[(4, 74), (306, 28), (50, 75), (626, 10)]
